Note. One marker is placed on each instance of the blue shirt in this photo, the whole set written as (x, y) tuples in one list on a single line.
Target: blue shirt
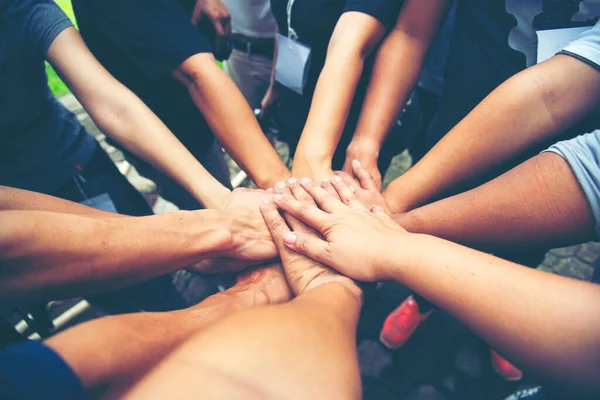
[(41, 142)]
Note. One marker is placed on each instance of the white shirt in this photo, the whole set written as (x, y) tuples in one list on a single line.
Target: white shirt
[(251, 18)]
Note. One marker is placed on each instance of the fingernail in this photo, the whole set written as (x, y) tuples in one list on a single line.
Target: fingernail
[(305, 181), (326, 180), (265, 200), (291, 181), (269, 190), (277, 197), (356, 163), (290, 238), (336, 179), (280, 185)]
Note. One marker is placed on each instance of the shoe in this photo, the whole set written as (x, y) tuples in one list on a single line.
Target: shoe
[(402, 323), (504, 368)]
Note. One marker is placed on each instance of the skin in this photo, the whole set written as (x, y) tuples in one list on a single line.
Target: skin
[(535, 105), (355, 37), (278, 343), (231, 119), (218, 15), (552, 336), (132, 344), (397, 66), (126, 119), (107, 252)]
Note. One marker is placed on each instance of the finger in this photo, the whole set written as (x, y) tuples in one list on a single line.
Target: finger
[(364, 177), (346, 195), (379, 211), (274, 221), (324, 200), (299, 193), (283, 189), (326, 184), (307, 213), (308, 245), (348, 180)]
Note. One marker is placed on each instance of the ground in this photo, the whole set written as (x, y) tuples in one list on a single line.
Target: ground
[(442, 361)]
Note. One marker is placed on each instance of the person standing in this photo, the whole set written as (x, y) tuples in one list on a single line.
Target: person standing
[(252, 47)]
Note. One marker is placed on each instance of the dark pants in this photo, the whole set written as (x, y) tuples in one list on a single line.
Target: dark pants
[(101, 176)]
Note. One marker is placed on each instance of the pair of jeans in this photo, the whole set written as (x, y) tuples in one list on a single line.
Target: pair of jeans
[(100, 176)]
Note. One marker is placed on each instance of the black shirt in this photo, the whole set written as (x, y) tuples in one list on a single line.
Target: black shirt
[(141, 42), (314, 22)]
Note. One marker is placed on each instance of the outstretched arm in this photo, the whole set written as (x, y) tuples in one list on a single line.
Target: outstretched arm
[(355, 36), (529, 108), (231, 119), (548, 324), (397, 67), (126, 119)]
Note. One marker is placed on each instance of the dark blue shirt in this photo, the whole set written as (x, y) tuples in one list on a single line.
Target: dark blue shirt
[(41, 142), (31, 370)]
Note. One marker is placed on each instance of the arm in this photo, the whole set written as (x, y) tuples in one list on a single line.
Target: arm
[(397, 67), (529, 108), (355, 36), (126, 119), (231, 119), (548, 324), (54, 255)]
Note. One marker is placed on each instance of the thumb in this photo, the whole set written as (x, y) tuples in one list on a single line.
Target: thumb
[(308, 245)]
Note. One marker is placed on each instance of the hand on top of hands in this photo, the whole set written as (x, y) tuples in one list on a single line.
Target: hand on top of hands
[(357, 242)]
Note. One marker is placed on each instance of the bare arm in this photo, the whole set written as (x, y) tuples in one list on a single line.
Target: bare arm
[(355, 36), (230, 118), (545, 323), (397, 67), (533, 106), (126, 119)]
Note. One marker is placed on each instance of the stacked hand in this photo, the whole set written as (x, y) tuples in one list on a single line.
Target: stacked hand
[(369, 192), (358, 242)]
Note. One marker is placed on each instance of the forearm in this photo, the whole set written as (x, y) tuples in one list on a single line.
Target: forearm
[(12, 199), (235, 126), (537, 204), (533, 106), (133, 344), (396, 70), (129, 122), (46, 255), (545, 323)]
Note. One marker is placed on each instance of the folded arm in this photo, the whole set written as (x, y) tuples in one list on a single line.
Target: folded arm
[(127, 120), (355, 37), (529, 108)]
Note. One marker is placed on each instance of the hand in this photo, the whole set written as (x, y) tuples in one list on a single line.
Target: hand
[(367, 193), (302, 272), (358, 243), (366, 152), (218, 15), (268, 104), (250, 242)]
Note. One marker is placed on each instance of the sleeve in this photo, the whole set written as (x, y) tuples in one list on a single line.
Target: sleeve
[(31, 370), (586, 47), (583, 156), (385, 11), (155, 35), (43, 22)]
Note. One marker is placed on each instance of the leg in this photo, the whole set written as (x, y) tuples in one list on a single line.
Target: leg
[(251, 74), (110, 354)]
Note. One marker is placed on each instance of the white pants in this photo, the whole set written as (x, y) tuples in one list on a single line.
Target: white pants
[(251, 74)]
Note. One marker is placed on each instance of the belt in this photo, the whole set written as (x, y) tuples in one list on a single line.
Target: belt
[(253, 46)]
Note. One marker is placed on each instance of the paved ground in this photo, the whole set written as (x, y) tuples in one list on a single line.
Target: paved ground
[(443, 360)]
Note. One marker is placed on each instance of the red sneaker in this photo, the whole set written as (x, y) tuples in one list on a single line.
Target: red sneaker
[(402, 323), (504, 368)]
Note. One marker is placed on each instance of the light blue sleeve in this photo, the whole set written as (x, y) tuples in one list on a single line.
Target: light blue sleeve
[(583, 156), (586, 47)]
